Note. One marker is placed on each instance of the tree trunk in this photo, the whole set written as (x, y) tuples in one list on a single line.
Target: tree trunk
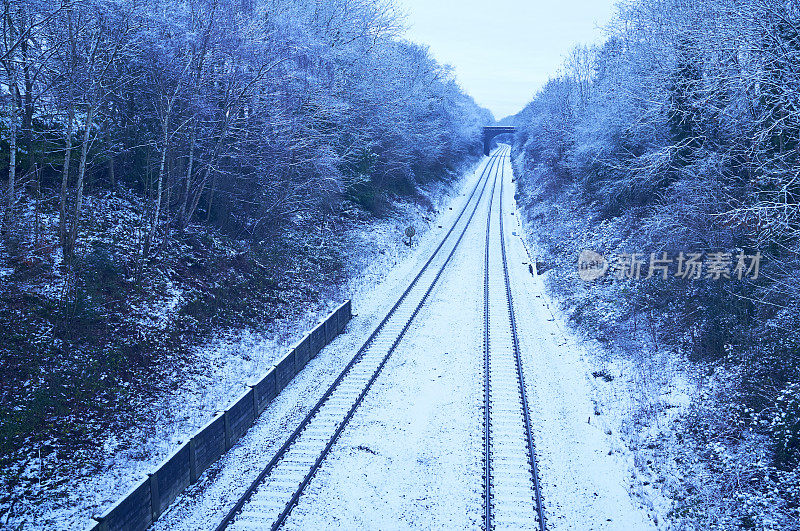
[(62, 200), (196, 198), (167, 202), (211, 197), (12, 152), (27, 104), (151, 231), (112, 178), (37, 222), (207, 174), (183, 220), (73, 233)]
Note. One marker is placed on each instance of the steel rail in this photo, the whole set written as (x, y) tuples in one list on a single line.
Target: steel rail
[(487, 435), (234, 511), (518, 362), (488, 524)]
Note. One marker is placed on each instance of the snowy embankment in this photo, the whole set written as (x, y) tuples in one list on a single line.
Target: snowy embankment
[(587, 474), (373, 293), (218, 372), (634, 400)]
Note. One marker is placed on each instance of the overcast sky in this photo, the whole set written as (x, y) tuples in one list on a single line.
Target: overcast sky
[(503, 51)]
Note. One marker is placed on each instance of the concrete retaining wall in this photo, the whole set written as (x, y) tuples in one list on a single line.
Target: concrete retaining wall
[(149, 499)]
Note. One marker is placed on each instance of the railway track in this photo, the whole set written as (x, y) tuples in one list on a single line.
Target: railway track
[(512, 499), (271, 497)]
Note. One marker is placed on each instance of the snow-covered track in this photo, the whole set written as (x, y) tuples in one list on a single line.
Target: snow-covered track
[(271, 497), (512, 499)]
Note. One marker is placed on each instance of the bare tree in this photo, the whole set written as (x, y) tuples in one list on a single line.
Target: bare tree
[(12, 18), (100, 47)]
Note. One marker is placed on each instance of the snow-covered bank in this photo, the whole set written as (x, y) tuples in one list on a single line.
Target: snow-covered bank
[(206, 503), (646, 149), (215, 374), (587, 474)]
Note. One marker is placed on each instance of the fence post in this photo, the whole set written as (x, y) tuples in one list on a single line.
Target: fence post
[(155, 498)]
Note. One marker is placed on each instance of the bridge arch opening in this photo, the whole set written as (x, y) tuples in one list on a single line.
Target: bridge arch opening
[(490, 132)]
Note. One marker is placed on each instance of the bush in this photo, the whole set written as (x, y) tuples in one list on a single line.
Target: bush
[(785, 427)]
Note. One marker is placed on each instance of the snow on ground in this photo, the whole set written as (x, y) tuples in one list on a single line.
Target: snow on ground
[(227, 364), (404, 460), (206, 502), (412, 454), (639, 392), (639, 399)]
